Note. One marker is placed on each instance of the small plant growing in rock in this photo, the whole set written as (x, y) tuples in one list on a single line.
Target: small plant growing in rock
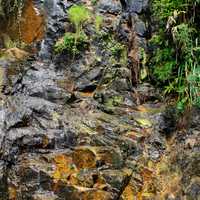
[(78, 15), (98, 23), (117, 48), (74, 42), (144, 69), (68, 43)]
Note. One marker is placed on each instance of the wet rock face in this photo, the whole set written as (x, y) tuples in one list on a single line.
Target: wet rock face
[(138, 6), (55, 26), (77, 129)]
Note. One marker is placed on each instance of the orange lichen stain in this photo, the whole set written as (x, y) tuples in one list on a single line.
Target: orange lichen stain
[(12, 193), (147, 174), (87, 94), (168, 180), (84, 158), (128, 193), (160, 180), (172, 187), (31, 24), (64, 167), (139, 196), (96, 195)]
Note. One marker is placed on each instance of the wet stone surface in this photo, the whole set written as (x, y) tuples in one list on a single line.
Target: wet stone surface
[(77, 129)]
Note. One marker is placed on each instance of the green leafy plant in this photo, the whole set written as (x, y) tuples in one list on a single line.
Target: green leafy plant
[(175, 63)]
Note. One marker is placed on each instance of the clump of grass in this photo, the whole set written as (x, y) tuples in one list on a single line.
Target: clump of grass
[(71, 44), (98, 23), (78, 15), (74, 42)]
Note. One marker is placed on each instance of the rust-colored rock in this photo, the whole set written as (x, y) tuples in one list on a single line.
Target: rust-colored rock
[(63, 167), (128, 193), (32, 23), (90, 157), (96, 195), (84, 158), (27, 27)]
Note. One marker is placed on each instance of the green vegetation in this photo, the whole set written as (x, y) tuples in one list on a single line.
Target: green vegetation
[(78, 15), (98, 23), (74, 42), (114, 101), (163, 9), (143, 69), (117, 49), (71, 44), (94, 2), (175, 63)]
